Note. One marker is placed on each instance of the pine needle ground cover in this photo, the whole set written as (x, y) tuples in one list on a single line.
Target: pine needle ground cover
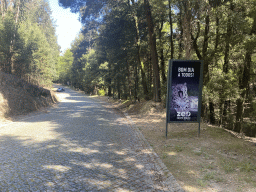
[(218, 160)]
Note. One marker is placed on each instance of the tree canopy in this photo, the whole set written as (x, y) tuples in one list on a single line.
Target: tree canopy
[(125, 46), (28, 44)]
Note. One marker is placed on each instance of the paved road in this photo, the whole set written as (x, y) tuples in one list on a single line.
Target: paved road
[(77, 145)]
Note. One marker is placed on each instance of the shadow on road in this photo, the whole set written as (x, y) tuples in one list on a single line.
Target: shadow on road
[(76, 146)]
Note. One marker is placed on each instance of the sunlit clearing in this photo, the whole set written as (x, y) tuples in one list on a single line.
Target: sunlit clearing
[(102, 119), (97, 143), (156, 120), (78, 114), (122, 190), (150, 172), (99, 183), (111, 144), (80, 163), (51, 146), (72, 101), (86, 107), (121, 171), (83, 150), (77, 96), (146, 151), (92, 165), (104, 165), (190, 188), (60, 168), (139, 166), (44, 131), (172, 153), (129, 159), (120, 152), (50, 184)]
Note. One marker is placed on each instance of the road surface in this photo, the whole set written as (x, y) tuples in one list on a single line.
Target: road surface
[(78, 145)]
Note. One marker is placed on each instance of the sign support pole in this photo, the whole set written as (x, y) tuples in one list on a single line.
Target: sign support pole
[(167, 100), (166, 130), (199, 129)]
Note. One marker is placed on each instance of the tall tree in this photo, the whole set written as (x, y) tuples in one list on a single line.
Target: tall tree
[(154, 55), (22, 52)]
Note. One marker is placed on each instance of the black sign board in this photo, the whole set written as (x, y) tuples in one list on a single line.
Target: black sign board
[(184, 95)]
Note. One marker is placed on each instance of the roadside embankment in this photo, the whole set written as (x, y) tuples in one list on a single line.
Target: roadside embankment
[(218, 160), (18, 97)]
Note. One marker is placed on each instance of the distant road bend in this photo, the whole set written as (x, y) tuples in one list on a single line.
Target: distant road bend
[(78, 145)]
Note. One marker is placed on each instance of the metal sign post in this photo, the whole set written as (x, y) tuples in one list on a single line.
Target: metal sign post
[(184, 92)]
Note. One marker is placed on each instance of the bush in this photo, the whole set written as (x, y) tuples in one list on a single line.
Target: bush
[(249, 129), (101, 92)]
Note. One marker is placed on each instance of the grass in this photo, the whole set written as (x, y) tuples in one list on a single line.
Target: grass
[(164, 155), (247, 166), (219, 179), (216, 159), (209, 176), (198, 153), (178, 148), (250, 179), (125, 102), (201, 182), (227, 165)]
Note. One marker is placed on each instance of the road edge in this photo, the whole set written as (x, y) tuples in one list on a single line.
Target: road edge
[(170, 179)]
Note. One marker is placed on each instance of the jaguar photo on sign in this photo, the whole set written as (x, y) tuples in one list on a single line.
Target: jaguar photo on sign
[(184, 91)]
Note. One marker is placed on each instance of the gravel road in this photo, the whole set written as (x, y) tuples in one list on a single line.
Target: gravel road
[(78, 145)]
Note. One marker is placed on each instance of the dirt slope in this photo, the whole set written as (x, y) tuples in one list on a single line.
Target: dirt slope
[(19, 97)]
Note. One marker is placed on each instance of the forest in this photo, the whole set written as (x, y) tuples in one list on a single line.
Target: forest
[(28, 44), (125, 45)]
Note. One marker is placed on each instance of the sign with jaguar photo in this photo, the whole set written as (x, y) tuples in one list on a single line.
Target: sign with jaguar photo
[(184, 91)]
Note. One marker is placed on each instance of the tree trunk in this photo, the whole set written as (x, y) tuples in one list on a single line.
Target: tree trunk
[(204, 56), (226, 55), (136, 81), (171, 29), (149, 72), (129, 80), (125, 91), (162, 62), (239, 115), (109, 89), (154, 56), (143, 76), (181, 35), (8, 67), (144, 82), (118, 89), (212, 114)]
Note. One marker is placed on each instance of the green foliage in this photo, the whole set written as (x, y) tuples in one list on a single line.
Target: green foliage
[(101, 92), (113, 51), (28, 44), (249, 128), (64, 67), (226, 84), (253, 113)]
